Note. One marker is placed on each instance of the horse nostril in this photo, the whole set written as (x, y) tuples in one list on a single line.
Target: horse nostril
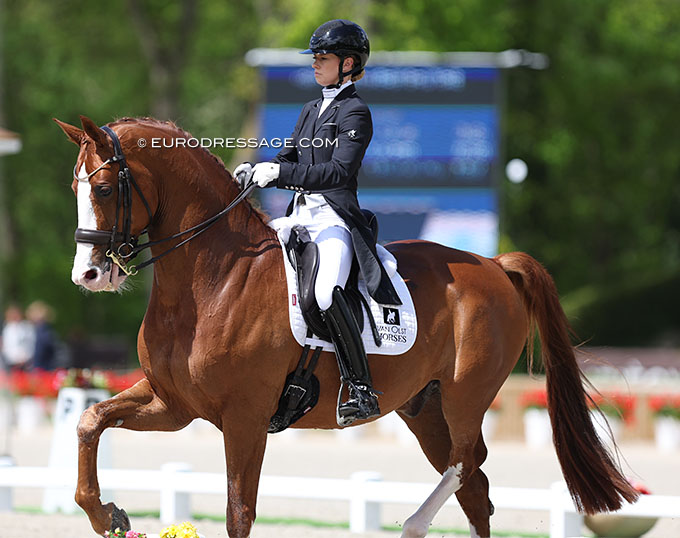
[(92, 274)]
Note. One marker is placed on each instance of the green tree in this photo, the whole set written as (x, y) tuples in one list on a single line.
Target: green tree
[(600, 205), (71, 57)]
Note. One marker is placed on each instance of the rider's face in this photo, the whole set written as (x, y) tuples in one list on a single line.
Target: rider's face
[(326, 69)]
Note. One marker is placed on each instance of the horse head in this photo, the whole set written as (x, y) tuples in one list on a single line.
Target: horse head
[(111, 215)]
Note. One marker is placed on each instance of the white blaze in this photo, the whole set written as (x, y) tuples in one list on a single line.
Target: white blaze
[(86, 219)]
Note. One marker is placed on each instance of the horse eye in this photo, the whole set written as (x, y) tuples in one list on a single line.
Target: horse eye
[(103, 191)]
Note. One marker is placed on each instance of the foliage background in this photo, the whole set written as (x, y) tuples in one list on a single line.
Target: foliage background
[(598, 130)]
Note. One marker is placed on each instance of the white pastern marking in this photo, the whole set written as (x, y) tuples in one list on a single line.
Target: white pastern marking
[(418, 524), (473, 532), (87, 220)]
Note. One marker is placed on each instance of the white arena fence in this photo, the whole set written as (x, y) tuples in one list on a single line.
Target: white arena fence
[(365, 492)]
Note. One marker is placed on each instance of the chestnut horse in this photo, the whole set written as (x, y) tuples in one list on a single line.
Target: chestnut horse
[(215, 342)]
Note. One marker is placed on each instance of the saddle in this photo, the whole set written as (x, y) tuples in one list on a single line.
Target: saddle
[(301, 390), (303, 254)]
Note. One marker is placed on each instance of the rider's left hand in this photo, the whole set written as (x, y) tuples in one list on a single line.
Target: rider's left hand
[(243, 173), (265, 173)]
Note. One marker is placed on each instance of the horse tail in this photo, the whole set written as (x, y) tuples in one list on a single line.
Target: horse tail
[(594, 480)]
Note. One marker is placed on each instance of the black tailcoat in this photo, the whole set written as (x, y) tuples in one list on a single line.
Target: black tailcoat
[(345, 129)]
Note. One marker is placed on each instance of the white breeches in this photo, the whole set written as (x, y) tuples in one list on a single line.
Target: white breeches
[(334, 240), (335, 262)]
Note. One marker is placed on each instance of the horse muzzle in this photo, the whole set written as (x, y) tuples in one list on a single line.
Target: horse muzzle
[(94, 276)]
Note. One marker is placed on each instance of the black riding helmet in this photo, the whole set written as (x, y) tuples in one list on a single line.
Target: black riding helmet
[(343, 38)]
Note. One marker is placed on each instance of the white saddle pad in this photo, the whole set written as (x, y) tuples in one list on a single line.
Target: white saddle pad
[(397, 324)]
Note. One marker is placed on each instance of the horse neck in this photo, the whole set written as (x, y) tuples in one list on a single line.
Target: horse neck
[(192, 191)]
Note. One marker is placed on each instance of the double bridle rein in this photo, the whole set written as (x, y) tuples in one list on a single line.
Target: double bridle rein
[(128, 244)]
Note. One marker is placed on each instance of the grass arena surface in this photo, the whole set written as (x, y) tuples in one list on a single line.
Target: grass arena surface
[(319, 454), (31, 525)]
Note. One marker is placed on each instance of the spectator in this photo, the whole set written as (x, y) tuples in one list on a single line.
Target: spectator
[(41, 316), (18, 339)]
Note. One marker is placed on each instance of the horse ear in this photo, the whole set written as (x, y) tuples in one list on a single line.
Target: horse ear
[(94, 132), (74, 134)]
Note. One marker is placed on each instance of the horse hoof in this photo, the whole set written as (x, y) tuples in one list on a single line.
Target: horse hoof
[(120, 520)]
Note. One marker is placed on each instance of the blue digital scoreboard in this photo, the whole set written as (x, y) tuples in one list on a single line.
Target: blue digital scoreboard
[(431, 169)]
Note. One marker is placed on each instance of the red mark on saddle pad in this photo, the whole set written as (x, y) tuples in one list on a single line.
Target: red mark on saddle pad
[(294, 299)]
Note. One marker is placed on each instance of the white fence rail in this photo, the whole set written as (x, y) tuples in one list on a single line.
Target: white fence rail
[(364, 491)]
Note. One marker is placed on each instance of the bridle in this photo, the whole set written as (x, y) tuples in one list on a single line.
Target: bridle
[(128, 243)]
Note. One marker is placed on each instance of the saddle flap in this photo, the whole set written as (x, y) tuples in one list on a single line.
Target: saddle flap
[(304, 257), (308, 269), (303, 254)]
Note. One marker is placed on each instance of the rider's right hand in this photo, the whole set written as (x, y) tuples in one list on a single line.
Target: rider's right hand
[(243, 174)]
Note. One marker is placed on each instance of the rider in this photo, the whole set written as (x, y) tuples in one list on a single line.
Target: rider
[(325, 183)]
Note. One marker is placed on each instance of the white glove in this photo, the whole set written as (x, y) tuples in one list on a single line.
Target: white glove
[(243, 173), (265, 173)]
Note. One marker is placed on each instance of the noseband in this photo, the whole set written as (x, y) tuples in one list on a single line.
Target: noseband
[(128, 247)]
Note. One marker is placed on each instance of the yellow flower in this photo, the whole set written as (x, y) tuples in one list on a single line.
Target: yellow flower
[(185, 530), (169, 532)]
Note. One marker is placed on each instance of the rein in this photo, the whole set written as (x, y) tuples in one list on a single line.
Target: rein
[(129, 247)]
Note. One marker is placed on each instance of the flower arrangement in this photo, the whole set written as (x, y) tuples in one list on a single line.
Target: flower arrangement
[(36, 383), (534, 399), (184, 530), (122, 534), (82, 378), (665, 405), (46, 384), (120, 382), (614, 405)]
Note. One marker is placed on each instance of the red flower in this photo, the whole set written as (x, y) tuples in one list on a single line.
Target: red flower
[(616, 405), (639, 486), (41, 383), (534, 399), (120, 382), (665, 405)]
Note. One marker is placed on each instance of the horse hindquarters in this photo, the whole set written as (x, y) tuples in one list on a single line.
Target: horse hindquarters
[(479, 330), (594, 481)]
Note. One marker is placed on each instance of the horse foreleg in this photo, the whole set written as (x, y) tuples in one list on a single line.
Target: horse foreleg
[(137, 408), (244, 444)]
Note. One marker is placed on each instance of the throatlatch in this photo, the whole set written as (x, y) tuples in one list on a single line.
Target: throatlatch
[(352, 362)]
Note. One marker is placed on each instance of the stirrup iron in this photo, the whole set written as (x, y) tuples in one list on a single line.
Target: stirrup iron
[(366, 403)]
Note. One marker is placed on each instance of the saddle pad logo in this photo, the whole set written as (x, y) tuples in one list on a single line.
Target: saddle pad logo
[(391, 316)]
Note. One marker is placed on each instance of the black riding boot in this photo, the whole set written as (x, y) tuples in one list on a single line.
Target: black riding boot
[(352, 362)]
